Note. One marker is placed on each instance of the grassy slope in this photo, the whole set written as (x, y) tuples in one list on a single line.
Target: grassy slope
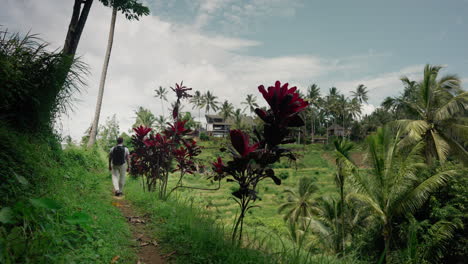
[(196, 224), (59, 206), (265, 218)]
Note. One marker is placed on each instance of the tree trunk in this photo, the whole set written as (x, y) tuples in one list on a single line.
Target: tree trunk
[(97, 113), (342, 214), (76, 26), (387, 235)]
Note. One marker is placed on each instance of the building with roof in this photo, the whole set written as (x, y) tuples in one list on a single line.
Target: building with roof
[(337, 130), (216, 126)]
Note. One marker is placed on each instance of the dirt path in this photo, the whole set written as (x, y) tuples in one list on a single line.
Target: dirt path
[(147, 246)]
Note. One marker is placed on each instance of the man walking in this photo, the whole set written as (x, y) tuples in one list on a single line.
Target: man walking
[(119, 157)]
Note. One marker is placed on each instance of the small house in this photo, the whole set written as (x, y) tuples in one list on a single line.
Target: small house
[(337, 131), (216, 126)]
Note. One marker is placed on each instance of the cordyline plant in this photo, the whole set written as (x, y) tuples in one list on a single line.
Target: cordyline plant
[(251, 162), (157, 155)]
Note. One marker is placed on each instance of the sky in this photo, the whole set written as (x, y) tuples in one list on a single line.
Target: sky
[(231, 46)]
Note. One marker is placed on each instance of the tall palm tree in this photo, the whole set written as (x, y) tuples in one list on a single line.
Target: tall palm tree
[(161, 121), (393, 187), (361, 93), (209, 102), (440, 105), (197, 101), (238, 116), (344, 166), (250, 103), (161, 94), (132, 10), (144, 117), (226, 110), (300, 203), (313, 97), (102, 82)]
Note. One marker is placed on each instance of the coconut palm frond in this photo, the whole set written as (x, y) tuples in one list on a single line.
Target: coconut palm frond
[(456, 105), (441, 146), (413, 199)]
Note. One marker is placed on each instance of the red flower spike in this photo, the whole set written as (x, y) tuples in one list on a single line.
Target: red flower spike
[(218, 166), (181, 90), (284, 102), (240, 141), (142, 131)]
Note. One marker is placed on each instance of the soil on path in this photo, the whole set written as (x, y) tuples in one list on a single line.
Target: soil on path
[(147, 247)]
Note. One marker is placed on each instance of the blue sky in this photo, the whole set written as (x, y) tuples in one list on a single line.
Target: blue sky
[(232, 46)]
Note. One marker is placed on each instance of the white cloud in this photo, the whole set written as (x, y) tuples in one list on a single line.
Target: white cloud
[(153, 52)]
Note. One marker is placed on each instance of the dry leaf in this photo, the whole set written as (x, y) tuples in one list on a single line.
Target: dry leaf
[(115, 259), (168, 255)]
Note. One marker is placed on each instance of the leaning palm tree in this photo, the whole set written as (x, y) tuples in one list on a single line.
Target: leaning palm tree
[(393, 187), (226, 110), (361, 93), (209, 102), (161, 94), (250, 103), (300, 203), (344, 166), (132, 9), (144, 117), (441, 107)]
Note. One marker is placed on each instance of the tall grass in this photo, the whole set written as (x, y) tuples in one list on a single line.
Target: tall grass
[(55, 206)]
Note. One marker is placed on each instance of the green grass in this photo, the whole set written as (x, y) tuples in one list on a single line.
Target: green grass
[(264, 227), (56, 205), (181, 225)]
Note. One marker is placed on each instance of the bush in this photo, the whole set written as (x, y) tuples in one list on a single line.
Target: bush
[(35, 86), (204, 136)]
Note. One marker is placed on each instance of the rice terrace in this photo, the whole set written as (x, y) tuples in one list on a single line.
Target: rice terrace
[(223, 131)]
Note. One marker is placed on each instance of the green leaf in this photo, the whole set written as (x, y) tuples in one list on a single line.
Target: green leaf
[(45, 203), (78, 218), (6, 215), (21, 179)]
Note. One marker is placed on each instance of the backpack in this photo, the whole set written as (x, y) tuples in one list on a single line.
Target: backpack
[(118, 155)]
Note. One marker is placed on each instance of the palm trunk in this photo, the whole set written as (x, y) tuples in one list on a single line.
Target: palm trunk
[(387, 235), (76, 26), (97, 113), (342, 215)]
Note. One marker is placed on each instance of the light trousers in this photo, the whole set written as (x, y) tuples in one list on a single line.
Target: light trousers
[(118, 176)]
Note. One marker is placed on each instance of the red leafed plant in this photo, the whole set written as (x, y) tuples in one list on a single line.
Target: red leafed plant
[(251, 162), (156, 156)]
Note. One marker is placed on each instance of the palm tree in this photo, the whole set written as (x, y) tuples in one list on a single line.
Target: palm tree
[(161, 94), (144, 117), (393, 187), (209, 102), (161, 121), (440, 105), (361, 93), (325, 226), (132, 10), (313, 97), (250, 103), (300, 203), (344, 167), (226, 110), (238, 116), (197, 101)]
